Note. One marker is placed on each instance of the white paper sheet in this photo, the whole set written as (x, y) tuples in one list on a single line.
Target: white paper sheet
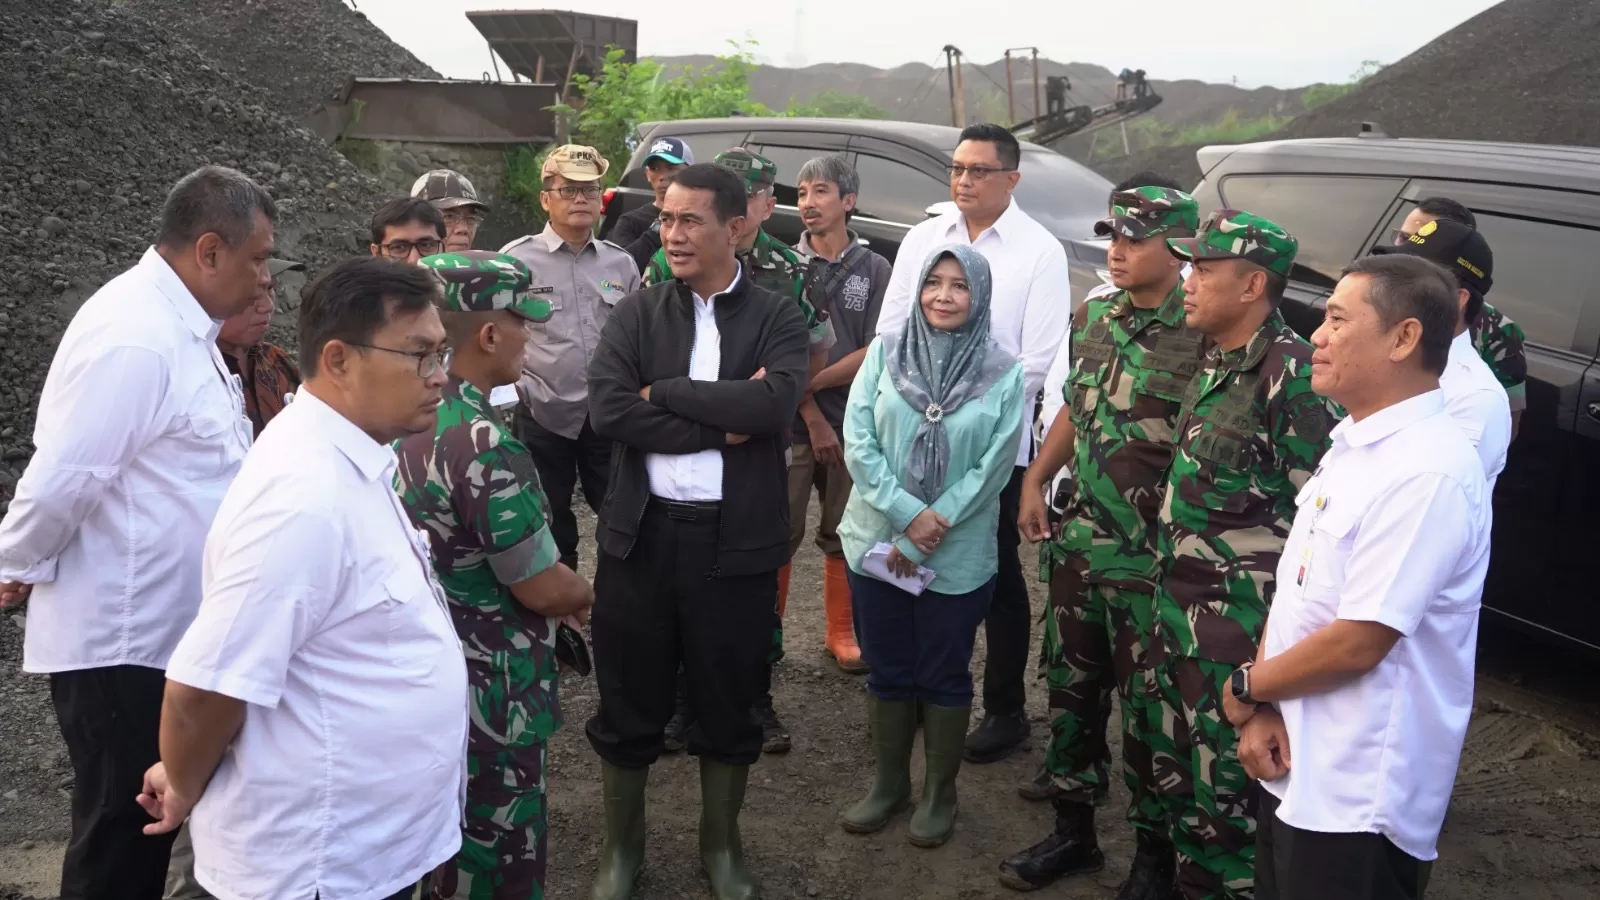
[(504, 395), (876, 564)]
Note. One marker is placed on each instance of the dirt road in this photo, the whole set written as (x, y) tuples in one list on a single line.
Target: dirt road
[(1525, 821)]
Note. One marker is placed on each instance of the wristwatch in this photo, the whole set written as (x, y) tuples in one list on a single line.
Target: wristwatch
[(1239, 685)]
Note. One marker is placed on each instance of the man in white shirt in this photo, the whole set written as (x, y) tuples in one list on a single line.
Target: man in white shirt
[(682, 575), (1364, 677), (1030, 311), (315, 717), (1473, 395), (139, 432)]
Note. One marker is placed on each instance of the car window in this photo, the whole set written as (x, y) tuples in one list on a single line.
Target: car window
[(788, 160), (895, 192), (1536, 283), (1063, 196), (1330, 215)]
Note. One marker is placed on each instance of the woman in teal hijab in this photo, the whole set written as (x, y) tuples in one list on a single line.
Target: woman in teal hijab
[(930, 438)]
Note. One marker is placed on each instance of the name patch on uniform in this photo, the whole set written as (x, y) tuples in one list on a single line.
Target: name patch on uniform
[(610, 286), (543, 289)]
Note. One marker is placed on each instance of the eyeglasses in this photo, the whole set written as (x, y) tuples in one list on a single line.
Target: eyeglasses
[(402, 249), (428, 361), (571, 191), (978, 173), (456, 217)]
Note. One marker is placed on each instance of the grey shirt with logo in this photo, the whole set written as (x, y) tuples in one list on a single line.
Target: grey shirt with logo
[(854, 285), (582, 288)]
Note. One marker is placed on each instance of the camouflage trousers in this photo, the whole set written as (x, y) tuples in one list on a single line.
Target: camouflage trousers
[(503, 846), (1209, 799), (1098, 637)]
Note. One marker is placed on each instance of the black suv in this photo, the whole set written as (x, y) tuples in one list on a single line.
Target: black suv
[(1539, 207), (902, 168)]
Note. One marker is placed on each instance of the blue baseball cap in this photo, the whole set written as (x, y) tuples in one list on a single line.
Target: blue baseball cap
[(672, 150)]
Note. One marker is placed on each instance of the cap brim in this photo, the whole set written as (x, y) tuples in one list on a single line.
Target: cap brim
[(534, 309), (1185, 248), (665, 157), (454, 202), (1128, 227), (276, 267)]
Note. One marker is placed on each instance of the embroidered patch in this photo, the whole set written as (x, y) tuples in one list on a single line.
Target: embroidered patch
[(855, 292)]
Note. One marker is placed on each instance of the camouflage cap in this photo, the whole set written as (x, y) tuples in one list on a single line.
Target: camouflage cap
[(447, 189), (1148, 211), (1233, 234), (485, 281), (758, 172)]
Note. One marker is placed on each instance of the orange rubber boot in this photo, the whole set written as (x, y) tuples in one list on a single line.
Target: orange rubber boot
[(841, 639), (783, 589)]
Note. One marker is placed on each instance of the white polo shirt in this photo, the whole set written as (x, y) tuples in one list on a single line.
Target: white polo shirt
[(321, 612), (141, 428), (695, 477), (1393, 528), (1478, 403), (1031, 306)]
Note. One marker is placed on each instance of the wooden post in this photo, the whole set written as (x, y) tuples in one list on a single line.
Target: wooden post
[(961, 95), (1011, 103), (950, 76), (1036, 113)]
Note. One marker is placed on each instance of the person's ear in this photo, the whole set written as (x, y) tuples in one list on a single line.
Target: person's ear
[(1011, 180), (335, 360), (207, 252), (1406, 339), (848, 202)]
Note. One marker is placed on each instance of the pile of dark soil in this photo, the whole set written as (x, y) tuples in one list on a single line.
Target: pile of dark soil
[(1523, 70), (296, 53), (103, 112)]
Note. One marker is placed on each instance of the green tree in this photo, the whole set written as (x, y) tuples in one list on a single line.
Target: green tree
[(1321, 94), (834, 105)]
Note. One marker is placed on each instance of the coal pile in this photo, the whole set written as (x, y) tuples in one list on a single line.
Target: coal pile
[(297, 53), (103, 112), (1525, 71)]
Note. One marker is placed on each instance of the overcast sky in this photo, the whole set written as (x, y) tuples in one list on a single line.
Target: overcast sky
[(1281, 44)]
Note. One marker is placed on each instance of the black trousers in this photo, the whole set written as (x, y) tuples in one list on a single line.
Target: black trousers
[(1294, 864), (110, 719), (563, 463), (1006, 627), (660, 606)]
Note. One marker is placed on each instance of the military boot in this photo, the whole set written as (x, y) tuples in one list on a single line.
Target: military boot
[(1070, 849), (721, 853), (944, 730), (1154, 873), (622, 853), (893, 725)]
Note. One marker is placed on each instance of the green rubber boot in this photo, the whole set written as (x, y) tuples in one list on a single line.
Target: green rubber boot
[(893, 725), (944, 735), (622, 853), (721, 855)]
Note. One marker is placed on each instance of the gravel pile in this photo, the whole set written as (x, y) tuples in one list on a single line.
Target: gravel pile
[(1524, 70), (297, 53)]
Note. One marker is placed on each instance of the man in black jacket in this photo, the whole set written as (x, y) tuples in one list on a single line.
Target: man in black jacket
[(636, 230), (697, 381)]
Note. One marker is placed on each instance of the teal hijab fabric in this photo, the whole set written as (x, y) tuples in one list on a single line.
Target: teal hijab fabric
[(937, 371)]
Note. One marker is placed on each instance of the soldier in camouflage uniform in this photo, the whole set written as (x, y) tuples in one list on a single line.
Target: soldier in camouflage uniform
[(778, 268), (472, 487), (1249, 435), (1132, 358)]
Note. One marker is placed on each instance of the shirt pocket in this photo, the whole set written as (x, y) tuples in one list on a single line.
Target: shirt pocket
[(1326, 554), (409, 608), (211, 435), (1083, 393)]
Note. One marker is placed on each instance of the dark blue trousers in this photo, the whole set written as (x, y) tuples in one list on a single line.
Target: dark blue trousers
[(919, 647)]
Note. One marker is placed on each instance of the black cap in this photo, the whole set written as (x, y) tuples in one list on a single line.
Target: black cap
[(1457, 247)]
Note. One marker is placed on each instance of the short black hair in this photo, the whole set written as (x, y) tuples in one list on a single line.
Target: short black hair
[(352, 300), (213, 200), (401, 210), (1400, 287), (729, 197), (1005, 143), (1276, 285), (1474, 305), (1146, 178), (1445, 208)]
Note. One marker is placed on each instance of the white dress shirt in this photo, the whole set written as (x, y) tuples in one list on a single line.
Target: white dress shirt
[(1032, 302), (140, 430), (321, 612), (1393, 528), (695, 477), (1478, 403)]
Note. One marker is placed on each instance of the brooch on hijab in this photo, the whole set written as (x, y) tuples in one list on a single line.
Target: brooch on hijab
[(933, 414)]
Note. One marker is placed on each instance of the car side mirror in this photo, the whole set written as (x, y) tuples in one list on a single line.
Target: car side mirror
[(943, 207)]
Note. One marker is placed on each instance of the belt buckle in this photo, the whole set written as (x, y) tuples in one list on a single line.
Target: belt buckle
[(679, 512)]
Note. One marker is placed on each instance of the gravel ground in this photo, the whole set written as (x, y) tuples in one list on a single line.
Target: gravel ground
[(1522, 823)]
